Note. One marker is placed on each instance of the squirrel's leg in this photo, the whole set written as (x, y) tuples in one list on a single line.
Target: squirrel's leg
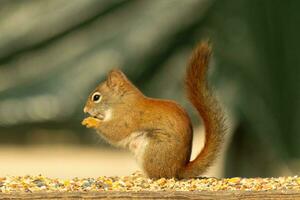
[(165, 155)]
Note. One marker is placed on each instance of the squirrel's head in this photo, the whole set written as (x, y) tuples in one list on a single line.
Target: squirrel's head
[(115, 91)]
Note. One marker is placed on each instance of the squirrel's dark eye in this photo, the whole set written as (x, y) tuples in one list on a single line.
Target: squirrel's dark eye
[(96, 97)]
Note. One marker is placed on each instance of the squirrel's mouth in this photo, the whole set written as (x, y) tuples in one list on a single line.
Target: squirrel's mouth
[(98, 116), (93, 114)]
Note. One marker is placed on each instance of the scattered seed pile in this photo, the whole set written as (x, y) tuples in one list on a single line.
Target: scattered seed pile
[(138, 182)]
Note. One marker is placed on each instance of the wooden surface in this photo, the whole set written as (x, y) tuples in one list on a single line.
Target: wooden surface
[(160, 195)]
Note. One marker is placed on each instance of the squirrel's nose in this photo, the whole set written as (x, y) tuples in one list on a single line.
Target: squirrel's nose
[(85, 109)]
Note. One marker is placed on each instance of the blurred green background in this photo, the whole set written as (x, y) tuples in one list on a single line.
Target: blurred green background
[(54, 52)]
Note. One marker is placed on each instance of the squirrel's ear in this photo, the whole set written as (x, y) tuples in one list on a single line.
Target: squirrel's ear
[(115, 77)]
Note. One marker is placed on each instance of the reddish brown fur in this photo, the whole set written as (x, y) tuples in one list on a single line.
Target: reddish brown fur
[(209, 109), (164, 124)]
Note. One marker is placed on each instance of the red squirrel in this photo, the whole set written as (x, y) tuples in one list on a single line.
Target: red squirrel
[(159, 132)]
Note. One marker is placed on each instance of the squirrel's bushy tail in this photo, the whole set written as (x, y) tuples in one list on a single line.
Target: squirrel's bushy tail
[(209, 109)]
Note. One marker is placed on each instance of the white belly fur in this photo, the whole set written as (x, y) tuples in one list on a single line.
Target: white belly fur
[(137, 143)]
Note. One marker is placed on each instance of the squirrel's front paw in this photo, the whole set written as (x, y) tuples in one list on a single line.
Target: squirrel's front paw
[(91, 122)]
